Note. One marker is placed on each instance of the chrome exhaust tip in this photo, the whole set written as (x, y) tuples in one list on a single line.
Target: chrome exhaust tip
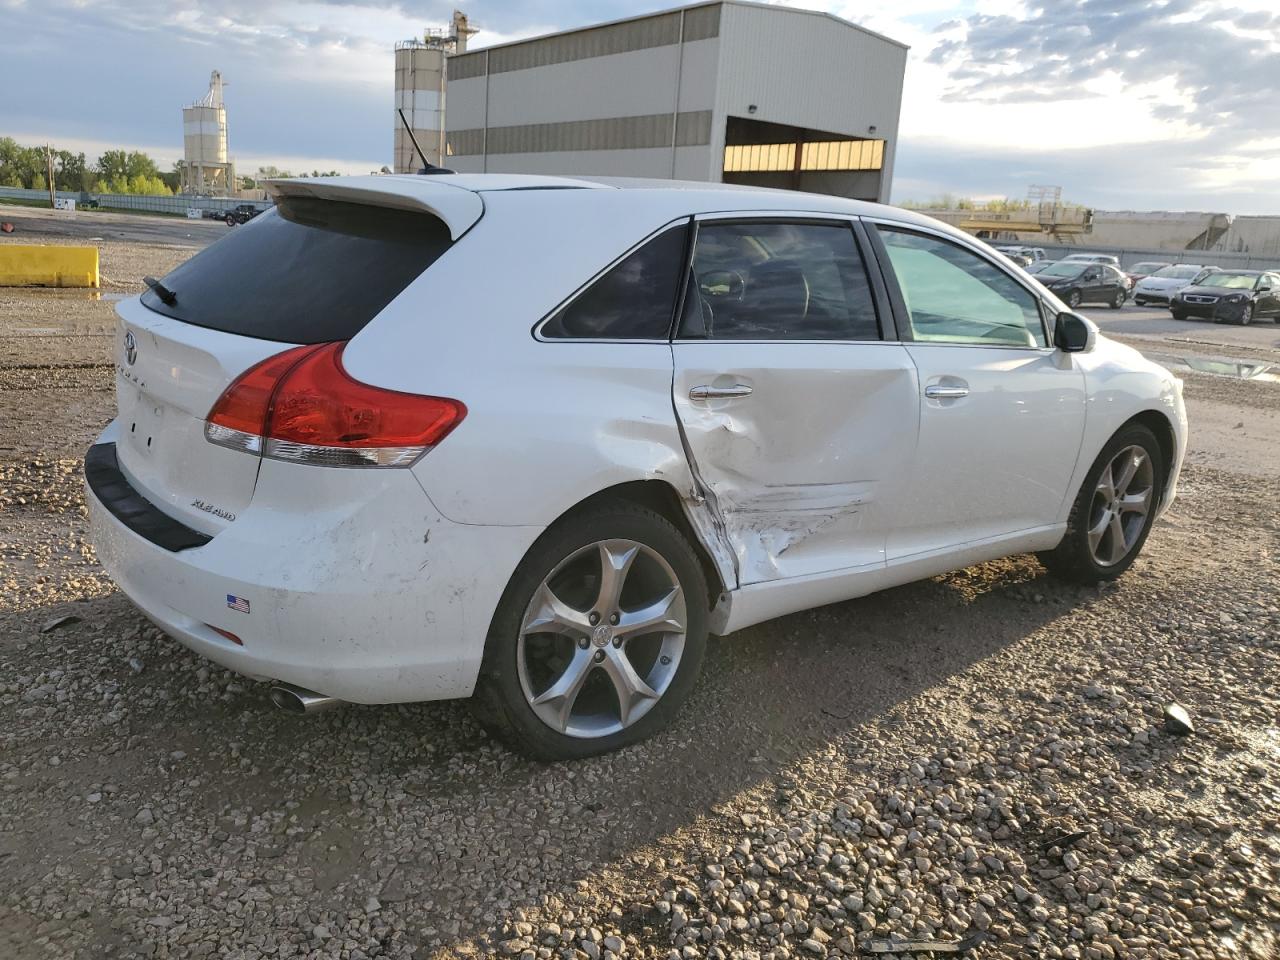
[(300, 700)]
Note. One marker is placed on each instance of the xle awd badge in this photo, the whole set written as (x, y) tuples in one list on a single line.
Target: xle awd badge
[(130, 348)]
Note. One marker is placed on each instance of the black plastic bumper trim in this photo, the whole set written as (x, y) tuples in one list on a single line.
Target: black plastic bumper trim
[(113, 490)]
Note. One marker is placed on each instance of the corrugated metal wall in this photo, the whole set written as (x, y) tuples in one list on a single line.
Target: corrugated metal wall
[(613, 133), (583, 99), (701, 23), (810, 70)]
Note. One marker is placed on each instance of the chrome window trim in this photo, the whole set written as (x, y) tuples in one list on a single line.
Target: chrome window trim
[(1047, 308)]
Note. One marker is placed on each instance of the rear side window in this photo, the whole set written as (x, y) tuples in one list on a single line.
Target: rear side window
[(778, 281), (634, 300), (309, 271)]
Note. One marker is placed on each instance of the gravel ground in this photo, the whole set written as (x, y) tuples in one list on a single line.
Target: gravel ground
[(977, 757)]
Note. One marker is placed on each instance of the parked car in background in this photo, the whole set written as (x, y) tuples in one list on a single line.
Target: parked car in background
[(1106, 258), (1164, 283), (1021, 255), (347, 461), (241, 213), (1077, 282), (1233, 296), (1142, 270)]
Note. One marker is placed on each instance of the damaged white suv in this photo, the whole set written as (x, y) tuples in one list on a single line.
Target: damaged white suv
[(528, 440)]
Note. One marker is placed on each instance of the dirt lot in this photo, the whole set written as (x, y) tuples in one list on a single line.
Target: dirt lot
[(979, 754)]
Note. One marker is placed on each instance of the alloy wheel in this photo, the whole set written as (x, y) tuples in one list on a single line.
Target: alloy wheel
[(602, 638), (1073, 300), (1246, 315), (1121, 502)]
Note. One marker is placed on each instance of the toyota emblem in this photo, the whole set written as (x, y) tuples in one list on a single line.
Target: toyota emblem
[(130, 348)]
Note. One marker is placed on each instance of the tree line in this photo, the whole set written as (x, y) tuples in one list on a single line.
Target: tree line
[(116, 171)]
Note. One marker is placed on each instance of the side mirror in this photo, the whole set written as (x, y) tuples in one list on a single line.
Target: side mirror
[(1072, 333)]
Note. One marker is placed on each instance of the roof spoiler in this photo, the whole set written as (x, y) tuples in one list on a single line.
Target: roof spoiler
[(458, 207)]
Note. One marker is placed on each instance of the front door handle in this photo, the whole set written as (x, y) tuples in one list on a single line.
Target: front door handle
[(708, 392), (938, 391)]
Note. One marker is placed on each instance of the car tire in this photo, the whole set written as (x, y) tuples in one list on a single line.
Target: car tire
[(1178, 315), (1246, 315), (1118, 300), (1074, 299), (1084, 555), (1139, 302), (231, 221), (523, 666)]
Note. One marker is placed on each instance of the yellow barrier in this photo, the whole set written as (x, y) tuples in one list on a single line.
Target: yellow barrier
[(32, 265)]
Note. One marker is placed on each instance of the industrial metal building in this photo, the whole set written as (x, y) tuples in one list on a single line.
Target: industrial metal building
[(727, 91)]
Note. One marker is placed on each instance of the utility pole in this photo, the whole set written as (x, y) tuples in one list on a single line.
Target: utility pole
[(48, 156)]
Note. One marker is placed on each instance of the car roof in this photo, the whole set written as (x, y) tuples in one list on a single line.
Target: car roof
[(458, 198)]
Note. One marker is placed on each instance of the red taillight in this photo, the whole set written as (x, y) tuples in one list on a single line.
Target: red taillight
[(239, 418), (302, 405)]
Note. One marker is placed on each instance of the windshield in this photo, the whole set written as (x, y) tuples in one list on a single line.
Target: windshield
[(1177, 272), (1063, 269), (1232, 281)]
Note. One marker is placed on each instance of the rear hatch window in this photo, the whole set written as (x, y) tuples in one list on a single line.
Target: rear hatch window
[(308, 271)]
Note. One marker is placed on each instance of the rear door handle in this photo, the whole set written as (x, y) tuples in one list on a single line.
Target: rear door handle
[(708, 392), (939, 392)]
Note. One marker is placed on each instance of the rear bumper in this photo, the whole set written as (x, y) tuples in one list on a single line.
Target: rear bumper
[(346, 582)]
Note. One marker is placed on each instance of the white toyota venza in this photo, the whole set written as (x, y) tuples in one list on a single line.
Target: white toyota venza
[(529, 440)]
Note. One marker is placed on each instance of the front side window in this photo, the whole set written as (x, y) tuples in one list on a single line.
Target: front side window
[(954, 296), (778, 281), (634, 300)]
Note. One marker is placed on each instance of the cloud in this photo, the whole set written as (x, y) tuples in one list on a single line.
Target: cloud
[(1205, 64), (1175, 174)]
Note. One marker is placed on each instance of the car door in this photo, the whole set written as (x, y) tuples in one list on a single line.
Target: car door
[(1268, 296), (1092, 289), (1002, 412), (799, 415)]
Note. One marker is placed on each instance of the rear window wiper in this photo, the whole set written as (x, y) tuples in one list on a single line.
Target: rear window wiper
[(167, 296)]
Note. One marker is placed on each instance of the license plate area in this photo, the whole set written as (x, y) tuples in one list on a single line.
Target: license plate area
[(142, 419)]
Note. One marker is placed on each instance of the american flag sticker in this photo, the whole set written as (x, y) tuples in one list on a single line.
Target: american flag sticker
[(237, 603)]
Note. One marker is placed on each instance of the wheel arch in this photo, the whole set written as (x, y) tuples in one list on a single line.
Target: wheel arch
[(1160, 425), (663, 499)]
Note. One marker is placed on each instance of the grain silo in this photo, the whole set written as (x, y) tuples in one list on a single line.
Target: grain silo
[(421, 71), (207, 171)]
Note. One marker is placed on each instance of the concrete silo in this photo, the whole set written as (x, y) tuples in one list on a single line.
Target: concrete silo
[(207, 170), (421, 76)]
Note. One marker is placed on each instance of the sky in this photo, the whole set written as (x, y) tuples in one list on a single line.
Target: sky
[(1126, 104)]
